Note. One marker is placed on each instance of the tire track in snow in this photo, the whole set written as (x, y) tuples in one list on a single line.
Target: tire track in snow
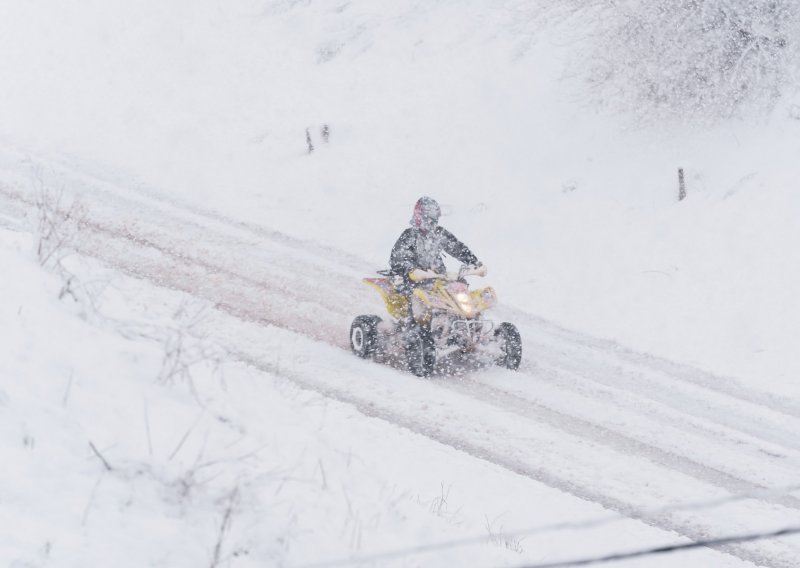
[(144, 198), (746, 417), (263, 288), (625, 402), (496, 396), (768, 430), (538, 474), (179, 248), (190, 213), (626, 445), (236, 304), (571, 340)]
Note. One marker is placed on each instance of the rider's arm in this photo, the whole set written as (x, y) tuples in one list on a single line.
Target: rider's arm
[(459, 250), (403, 257)]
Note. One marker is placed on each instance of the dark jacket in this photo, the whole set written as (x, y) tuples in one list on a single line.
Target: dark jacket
[(417, 250)]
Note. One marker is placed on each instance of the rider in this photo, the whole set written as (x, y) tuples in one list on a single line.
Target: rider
[(417, 254)]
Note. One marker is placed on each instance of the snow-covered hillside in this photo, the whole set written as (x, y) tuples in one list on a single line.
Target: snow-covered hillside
[(182, 129), (575, 212), (223, 425)]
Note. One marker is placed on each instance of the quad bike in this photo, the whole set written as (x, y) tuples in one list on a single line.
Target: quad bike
[(452, 324)]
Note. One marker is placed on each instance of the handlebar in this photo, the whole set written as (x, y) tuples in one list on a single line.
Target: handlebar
[(419, 274), (467, 271)]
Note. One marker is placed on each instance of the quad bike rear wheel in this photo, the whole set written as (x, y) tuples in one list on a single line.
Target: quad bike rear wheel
[(420, 352), (510, 343), (364, 336)]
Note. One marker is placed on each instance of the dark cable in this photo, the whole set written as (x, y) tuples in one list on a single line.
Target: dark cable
[(666, 549), (569, 525)]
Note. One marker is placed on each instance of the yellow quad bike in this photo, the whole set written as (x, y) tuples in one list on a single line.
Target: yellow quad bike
[(448, 322)]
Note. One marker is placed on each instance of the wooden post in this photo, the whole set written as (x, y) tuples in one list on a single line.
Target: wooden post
[(308, 141), (681, 185)]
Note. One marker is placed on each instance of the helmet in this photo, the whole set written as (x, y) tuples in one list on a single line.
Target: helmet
[(426, 214)]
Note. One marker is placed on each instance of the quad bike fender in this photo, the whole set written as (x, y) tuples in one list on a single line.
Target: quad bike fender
[(396, 304), (484, 298)]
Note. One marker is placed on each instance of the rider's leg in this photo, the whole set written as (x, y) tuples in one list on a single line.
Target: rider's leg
[(420, 311)]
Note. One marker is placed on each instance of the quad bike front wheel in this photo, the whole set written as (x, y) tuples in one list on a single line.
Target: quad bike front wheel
[(510, 343), (364, 335)]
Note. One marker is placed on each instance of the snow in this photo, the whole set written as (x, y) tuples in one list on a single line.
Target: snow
[(186, 121), (575, 212), (299, 468)]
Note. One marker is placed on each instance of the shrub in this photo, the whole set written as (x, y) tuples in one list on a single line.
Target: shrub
[(694, 58)]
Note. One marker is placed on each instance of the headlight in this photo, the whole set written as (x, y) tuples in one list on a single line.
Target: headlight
[(464, 301)]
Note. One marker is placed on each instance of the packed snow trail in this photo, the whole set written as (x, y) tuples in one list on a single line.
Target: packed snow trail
[(625, 430)]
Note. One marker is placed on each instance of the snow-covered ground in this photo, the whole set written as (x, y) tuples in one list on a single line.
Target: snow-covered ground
[(181, 127), (304, 478)]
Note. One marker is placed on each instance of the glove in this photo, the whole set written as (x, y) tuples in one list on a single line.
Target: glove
[(481, 270), (419, 274)]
